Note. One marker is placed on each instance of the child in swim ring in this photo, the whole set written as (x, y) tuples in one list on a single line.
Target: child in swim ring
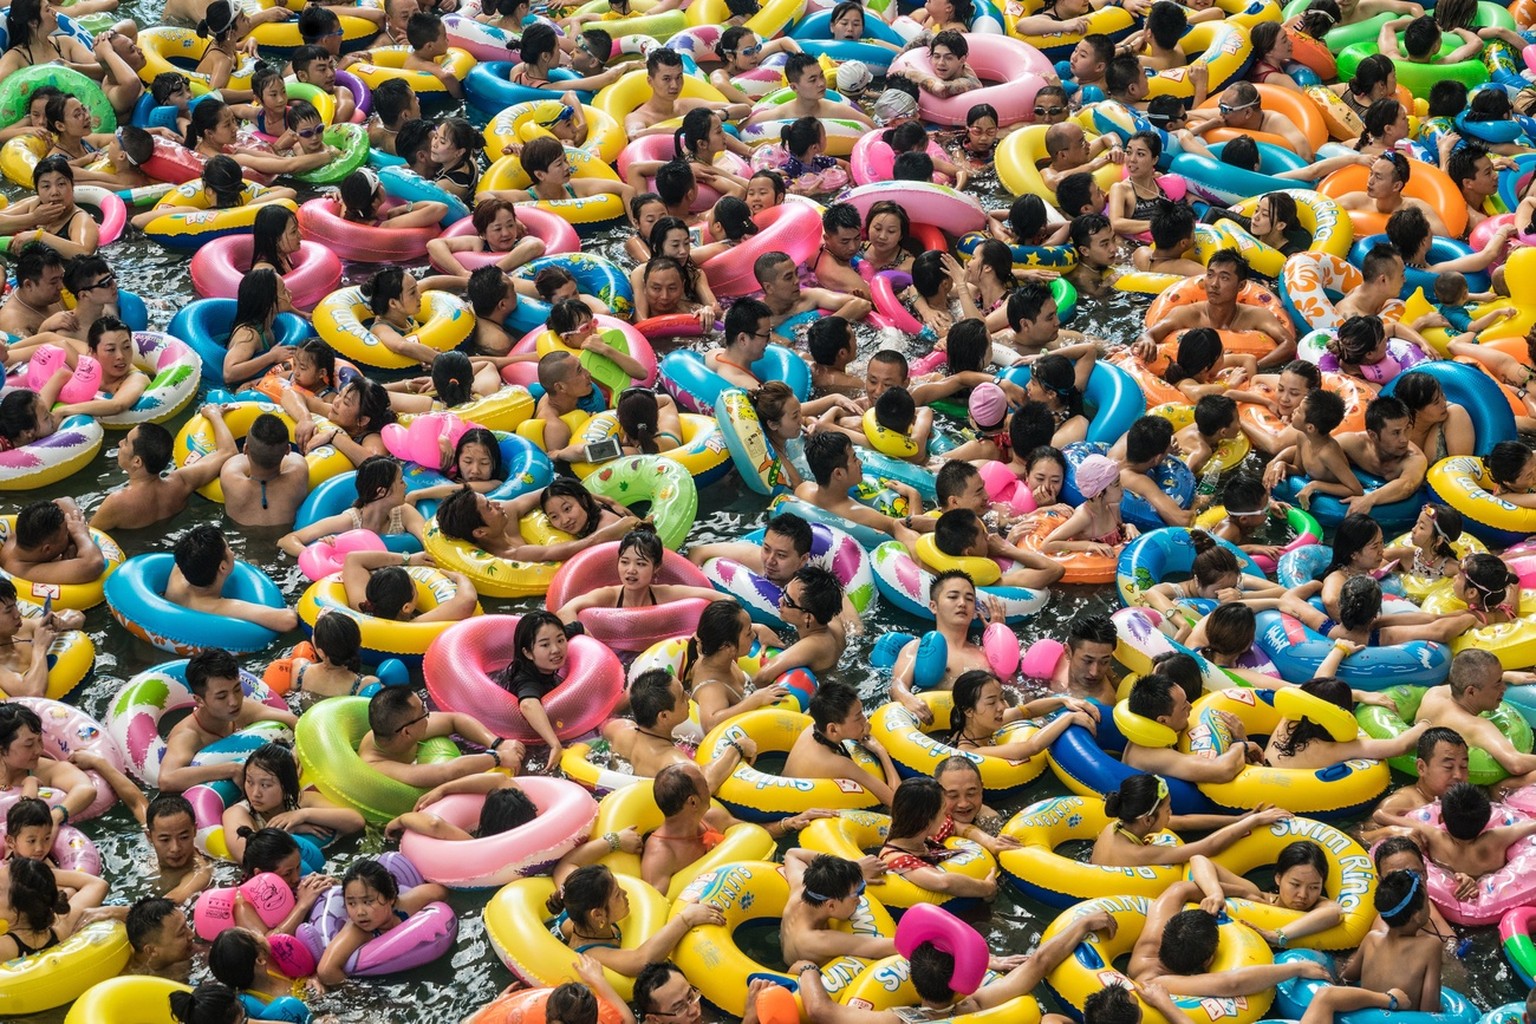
[(1141, 809), (29, 829), (374, 905), (506, 807), (1428, 553), (245, 961), (273, 797), (475, 462), (273, 850), (1096, 525), (590, 906)]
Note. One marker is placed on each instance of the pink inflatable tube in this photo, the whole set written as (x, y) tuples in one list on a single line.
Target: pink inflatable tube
[(114, 213), (1046, 660), (1017, 68), (1003, 485), (527, 374), (219, 266), (324, 557), (928, 923), (664, 147), (1483, 234), (566, 814), (423, 937), (873, 160), (628, 629), (670, 325), (421, 440), (882, 290), (792, 227), (265, 893), (50, 359), (1513, 885), (926, 203), (72, 850), (320, 221), (67, 729), (461, 662), (557, 234)]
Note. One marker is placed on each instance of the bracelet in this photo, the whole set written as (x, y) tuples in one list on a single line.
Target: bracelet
[(612, 839), (63, 811), (737, 747), (1280, 939), (1339, 646)]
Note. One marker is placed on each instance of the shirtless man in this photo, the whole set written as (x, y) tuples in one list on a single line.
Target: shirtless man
[(148, 497), (52, 544), (161, 939), (842, 235), (203, 564), (94, 285), (397, 13), (748, 329), (824, 889), (1442, 762), (39, 286), (24, 642), (170, 826), (219, 709), (1476, 685), (1225, 275), (837, 715), (1069, 151), (566, 383), (952, 599), (965, 803), (1384, 272), (784, 550), (664, 74), (1383, 194), (810, 604), (1384, 449), (657, 701), (266, 483), (1088, 668), (836, 468), (1144, 446), (951, 76), (1177, 945), (398, 722), (1242, 108), (1464, 843), (809, 82), (1161, 699), (777, 275)]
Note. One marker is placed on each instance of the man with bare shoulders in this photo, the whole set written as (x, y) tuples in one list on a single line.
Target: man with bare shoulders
[(1225, 275), (219, 709), (1476, 685), (1384, 449), (265, 484), (1159, 698), (39, 271), (821, 751), (657, 701), (1383, 194), (952, 599), (150, 498), (203, 564), (52, 544), (664, 74), (397, 724), (1442, 762)]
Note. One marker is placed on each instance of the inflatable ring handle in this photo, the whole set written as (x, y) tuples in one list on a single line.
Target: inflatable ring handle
[(1296, 704), (929, 923), (1143, 731), (931, 661)]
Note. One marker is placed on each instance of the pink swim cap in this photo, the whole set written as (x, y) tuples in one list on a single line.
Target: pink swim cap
[(988, 405), (1094, 475)]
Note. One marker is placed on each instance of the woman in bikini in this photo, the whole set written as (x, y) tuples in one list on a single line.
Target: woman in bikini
[(1140, 834), (1133, 200), (69, 128), (1440, 428), (1271, 54), (52, 215), (710, 672), (38, 913), (980, 713), (273, 797), (33, 30), (590, 907), (1361, 621), (358, 414), (333, 667), (640, 555), (380, 508), (887, 233), (914, 847)]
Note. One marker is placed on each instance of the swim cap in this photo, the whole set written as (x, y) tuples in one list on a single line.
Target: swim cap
[(988, 406)]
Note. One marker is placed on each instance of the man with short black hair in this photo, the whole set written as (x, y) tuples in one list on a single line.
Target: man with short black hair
[(148, 497)]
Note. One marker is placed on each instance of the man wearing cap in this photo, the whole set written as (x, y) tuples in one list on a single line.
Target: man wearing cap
[(809, 84)]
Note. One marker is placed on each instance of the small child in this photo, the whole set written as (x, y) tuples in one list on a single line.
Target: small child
[(1399, 970), (1429, 554), (1248, 508), (961, 533), (1097, 520), (1173, 242), (1215, 423), (764, 189), (1466, 845), (832, 347), (428, 37), (374, 905), (29, 830), (981, 137), (1316, 455), (1452, 296), (810, 171), (894, 411), (250, 965)]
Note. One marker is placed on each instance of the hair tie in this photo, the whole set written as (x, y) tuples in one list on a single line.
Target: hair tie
[(1413, 887)]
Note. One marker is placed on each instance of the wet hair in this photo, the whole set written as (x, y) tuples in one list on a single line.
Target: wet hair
[(1028, 216), (28, 812), (340, 640), (1152, 696), (800, 135), (719, 626), (1240, 152), (906, 137), (164, 805), (939, 579), (1302, 853), (265, 848), (223, 177), (388, 591), (272, 220), (1198, 351), (1378, 117), (1357, 338), (375, 876), (1380, 260), (914, 805), (821, 595), (1072, 194), (232, 958), (1435, 736), (267, 443), (743, 317), (1214, 413), (637, 413), (538, 40), (1394, 845), (735, 219), (198, 555), (277, 760), (1032, 428), (826, 452), (1172, 223), (391, 99), (1323, 410), (970, 345), (829, 877), (968, 687), (1188, 942), (1447, 97), (56, 164), (828, 336), (674, 180), (1408, 230), (1416, 390), (1506, 461), (1354, 534), (1121, 73), (411, 139), (1305, 731), (832, 703), (37, 522), (1229, 631), (1112, 1004), (586, 889), (1137, 797), (1421, 39), (932, 969), (1212, 560), (912, 167), (952, 479), (372, 403), (218, 20), (212, 1002), (146, 916), (1359, 602), (35, 259), (1489, 579), (1403, 891), (895, 410), (504, 810), (1148, 437), (565, 487), (153, 446), (529, 625)]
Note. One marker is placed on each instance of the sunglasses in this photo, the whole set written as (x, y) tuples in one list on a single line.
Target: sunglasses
[(110, 281), (788, 602), (1048, 111), (424, 716)]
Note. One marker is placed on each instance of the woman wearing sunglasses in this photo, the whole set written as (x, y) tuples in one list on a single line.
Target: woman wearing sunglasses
[(741, 51)]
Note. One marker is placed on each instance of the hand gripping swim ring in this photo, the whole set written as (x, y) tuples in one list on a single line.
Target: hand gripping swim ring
[(751, 891), (461, 664), (523, 122), (566, 813), (1350, 881), (67, 729), (1511, 642), (181, 49), (1157, 554), (385, 638), (1482, 769), (1336, 791), (133, 717), (1294, 995), (1037, 870), (754, 795), (687, 378), (326, 743), (174, 370), (423, 937), (136, 597), (916, 751), (78, 596), (340, 319), (1425, 182), (187, 232), (1091, 967), (1302, 527), (1016, 68), (1463, 483), (1477, 393), (555, 233), (831, 549), (1255, 343), (628, 629), (1297, 650), (1171, 476), (792, 227), (72, 850), (206, 326)]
